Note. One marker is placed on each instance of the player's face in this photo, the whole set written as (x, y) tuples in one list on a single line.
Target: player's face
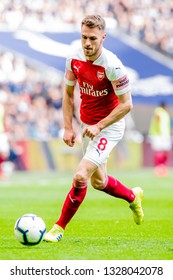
[(92, 40)]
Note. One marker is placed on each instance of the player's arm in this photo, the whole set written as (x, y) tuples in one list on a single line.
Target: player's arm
[(121, 86), (68, 104), (157, 123), (68, 110), (125, 105)]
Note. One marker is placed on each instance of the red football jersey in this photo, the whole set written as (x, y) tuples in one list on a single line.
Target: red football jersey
[(99, 82)]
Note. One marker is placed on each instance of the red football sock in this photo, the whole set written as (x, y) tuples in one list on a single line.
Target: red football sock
[(161, 157), (117, 189), (72, 202)]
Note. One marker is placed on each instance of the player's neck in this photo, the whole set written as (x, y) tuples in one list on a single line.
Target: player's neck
[(94, 57)]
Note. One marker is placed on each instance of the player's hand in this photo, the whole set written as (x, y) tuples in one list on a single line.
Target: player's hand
[(91, 131), (69, 137)]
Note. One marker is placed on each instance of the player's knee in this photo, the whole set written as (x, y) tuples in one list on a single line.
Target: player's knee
[(80, 177), (97, 183)]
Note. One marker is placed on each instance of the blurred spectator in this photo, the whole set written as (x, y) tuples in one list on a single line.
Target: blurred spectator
[(32, 99), (4, 143), (15, 157), (160, 138), (149, 21)]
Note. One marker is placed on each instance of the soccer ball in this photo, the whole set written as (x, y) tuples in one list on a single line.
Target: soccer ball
[(29, 229)]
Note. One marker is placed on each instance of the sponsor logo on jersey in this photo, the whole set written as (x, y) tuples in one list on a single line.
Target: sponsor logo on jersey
[(89, 90), (100, 75)]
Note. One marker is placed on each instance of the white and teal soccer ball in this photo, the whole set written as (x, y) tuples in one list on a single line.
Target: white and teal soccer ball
[(29, 229)]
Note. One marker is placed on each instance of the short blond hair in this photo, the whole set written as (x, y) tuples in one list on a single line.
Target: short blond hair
[(93, 21)]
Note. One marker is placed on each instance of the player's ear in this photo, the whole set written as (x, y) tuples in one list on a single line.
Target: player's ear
[(104, 36)]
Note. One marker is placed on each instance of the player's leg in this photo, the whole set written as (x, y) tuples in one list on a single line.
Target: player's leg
[(77, 192), (161, 163), (4, 153), (161, 146), (110, 185), (113, 187), (98, 152), (73, 200)]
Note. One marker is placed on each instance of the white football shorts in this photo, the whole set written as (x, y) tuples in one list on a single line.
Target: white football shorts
[(4, 145), (99, 149), (161, 143)]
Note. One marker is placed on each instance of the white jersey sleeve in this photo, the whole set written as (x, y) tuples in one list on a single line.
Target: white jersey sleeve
[(116, 73), (69, 77)]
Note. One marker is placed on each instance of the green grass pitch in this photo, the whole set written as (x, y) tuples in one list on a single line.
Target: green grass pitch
[(102, 229)]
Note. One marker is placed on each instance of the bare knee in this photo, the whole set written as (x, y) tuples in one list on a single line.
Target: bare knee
[(97, 183), (84, 171), (81, 176)]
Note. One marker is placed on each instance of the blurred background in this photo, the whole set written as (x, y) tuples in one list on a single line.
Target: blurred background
[(35, 38)]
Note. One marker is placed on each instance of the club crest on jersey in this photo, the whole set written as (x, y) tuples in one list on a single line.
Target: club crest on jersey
[(100, 75)]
